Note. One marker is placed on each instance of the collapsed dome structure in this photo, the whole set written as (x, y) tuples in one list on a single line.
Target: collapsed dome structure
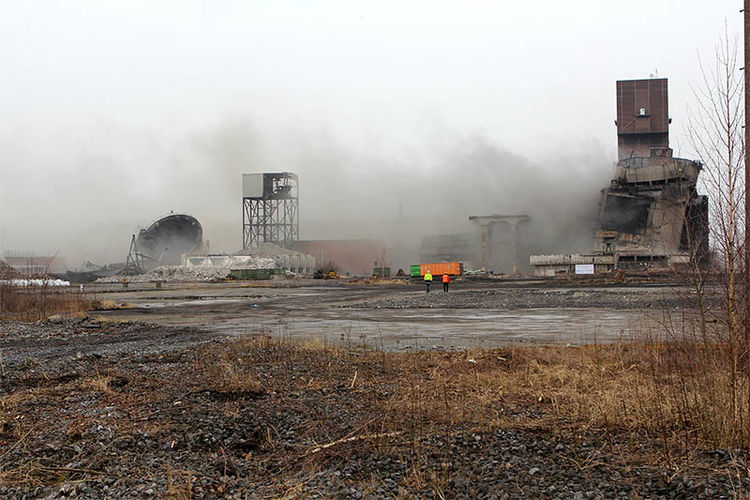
[(168, 238)]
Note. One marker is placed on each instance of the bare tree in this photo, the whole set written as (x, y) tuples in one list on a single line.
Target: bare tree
[(716, 135)]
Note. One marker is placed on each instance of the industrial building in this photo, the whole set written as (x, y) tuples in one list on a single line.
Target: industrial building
[(29, 263), (651, 216)]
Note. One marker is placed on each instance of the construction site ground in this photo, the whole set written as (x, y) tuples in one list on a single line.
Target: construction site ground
[(202, 390), (401, 315)]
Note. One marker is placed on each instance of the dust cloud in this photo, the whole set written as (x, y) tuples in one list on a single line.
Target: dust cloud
[(113, 180)]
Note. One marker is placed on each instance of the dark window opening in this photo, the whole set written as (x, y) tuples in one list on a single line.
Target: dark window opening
[(625, 215)]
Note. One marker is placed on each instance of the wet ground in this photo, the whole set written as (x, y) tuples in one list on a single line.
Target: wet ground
[(403, 316)]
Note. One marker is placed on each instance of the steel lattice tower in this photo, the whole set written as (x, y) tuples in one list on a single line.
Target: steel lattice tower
[(270, 209)]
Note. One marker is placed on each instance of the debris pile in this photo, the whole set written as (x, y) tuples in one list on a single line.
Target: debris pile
[(293, 260), (209, 269), (7, 272), (217, 267), (35, 282), (233, 262)]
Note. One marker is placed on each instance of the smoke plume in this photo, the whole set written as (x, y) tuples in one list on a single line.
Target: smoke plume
[(113, 180)]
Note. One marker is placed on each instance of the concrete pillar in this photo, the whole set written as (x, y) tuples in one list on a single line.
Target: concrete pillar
[(486, 223)]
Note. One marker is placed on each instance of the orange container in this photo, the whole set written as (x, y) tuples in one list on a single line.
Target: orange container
[(437, 268)]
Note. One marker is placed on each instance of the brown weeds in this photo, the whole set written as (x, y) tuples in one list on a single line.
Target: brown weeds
[(638, 389), (33, 303), (227, 373), (675, 392), (354, 403)]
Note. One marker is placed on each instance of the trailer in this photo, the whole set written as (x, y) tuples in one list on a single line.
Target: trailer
[(435, 268)]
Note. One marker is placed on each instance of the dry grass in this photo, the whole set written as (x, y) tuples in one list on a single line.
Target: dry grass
[(358, 400), (104, 305), (676, 393), (100, 318), (109, 305), (38, 302), (99, 382), (228, 372), (179, 484), (666, 392)]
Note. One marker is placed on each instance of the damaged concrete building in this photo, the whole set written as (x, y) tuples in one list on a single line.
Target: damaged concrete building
[(651, 216)]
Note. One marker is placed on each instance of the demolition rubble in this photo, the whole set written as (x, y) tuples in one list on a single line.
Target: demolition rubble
[(206, 270)]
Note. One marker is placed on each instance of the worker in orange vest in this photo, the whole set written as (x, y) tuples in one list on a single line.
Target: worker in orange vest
[(446, 281)]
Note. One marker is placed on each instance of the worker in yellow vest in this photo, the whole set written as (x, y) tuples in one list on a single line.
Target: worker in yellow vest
[(428, 280)]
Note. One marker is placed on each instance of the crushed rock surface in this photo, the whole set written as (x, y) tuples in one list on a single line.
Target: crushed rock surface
[(57, 340), (155, 431), (535, 298)]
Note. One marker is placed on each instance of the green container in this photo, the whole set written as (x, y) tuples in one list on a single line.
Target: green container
[(381, 272), (416, 270), (255, 274)]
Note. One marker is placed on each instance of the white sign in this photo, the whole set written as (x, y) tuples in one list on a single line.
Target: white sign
[(584, 268)]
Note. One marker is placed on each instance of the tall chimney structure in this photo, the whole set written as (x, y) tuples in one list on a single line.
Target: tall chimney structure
[(642, 117)]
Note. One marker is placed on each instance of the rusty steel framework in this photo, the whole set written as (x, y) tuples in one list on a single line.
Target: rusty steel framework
[(270, 209)]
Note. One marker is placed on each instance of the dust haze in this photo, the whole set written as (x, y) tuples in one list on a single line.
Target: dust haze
[(114, 180)]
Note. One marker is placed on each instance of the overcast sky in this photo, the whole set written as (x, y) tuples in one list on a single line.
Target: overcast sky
[(122, 111)]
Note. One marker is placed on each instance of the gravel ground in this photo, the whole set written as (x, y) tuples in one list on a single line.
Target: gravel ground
[(533, 298), (126, 410), (56, 340)]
